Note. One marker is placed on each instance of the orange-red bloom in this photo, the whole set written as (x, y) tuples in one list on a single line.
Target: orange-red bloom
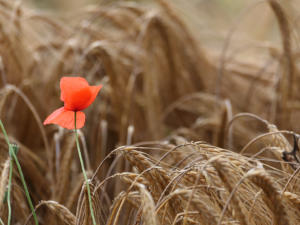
[(76, 95)]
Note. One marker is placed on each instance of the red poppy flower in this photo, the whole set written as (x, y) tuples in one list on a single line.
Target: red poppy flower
[(77, 95)]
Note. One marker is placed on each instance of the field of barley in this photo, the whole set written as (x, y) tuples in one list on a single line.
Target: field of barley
[(197, 120)]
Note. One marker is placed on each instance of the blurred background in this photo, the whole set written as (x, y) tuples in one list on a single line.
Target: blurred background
[(173, 72)]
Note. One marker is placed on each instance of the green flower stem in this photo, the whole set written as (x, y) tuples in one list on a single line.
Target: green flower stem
[(9, 185), (12, 150), (84, 175)]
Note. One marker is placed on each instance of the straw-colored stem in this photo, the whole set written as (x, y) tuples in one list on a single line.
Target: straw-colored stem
[(84, 175)]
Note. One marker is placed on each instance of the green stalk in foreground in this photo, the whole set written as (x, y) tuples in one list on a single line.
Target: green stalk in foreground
[(10, 173), (25, 186), (9, 184), (12, 150), (84, 174)]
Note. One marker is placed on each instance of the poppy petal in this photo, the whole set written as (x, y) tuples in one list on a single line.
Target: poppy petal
[(76, 93), (65, 118), (68, 85), (94, 92)]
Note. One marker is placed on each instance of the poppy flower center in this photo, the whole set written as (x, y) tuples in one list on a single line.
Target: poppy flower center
[(77, 100)]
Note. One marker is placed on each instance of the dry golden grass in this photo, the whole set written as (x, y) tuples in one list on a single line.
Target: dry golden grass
[(179, 134)]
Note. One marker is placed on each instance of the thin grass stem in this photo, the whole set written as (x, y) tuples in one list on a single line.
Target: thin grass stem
[(12, 150), (9, 187), (10, 174), (24, 185)]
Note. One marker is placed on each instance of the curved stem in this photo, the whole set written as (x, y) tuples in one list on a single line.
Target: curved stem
[(84, 175)]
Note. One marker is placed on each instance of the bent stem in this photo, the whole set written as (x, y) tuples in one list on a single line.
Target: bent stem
[(12, 150), (84, 174)]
